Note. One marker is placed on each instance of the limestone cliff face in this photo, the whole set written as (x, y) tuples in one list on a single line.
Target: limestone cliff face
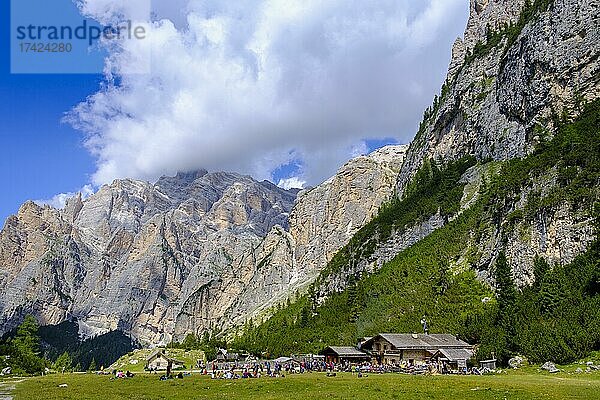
[(322, 221), (131, 256), (492, 102), (489, 14), (192, 253), (557, 235), (326, 217)]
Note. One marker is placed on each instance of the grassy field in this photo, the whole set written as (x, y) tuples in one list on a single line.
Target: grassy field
[(520, 385)]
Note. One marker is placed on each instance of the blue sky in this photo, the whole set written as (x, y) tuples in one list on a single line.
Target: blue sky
[(263, 88), (41, 156)]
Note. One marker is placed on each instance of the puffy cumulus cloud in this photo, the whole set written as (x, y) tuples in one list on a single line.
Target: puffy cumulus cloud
[(254, 85), (112, 11), (293, 182), (60, 200)]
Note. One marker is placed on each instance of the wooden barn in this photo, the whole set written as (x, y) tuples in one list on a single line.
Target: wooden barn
[(394, 348), (456, 358), (341, 354)]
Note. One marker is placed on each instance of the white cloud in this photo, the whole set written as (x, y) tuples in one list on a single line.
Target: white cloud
[(292, 183), (60, 200), (359, 149), (250, 86)]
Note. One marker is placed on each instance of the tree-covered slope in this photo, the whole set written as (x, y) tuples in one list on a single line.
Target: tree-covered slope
[(556, 318), (99, 351), (60, 345)]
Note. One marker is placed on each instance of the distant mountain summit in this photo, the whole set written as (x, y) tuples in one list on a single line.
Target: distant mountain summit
[(193, 253), (127, 256)]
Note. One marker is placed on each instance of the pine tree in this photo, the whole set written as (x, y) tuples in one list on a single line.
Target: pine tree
[(305, 316), (540, 269), (505, 286), (506, 319), (190, 342), (26, 348), (353, 303), (27, 338), (64, 363)]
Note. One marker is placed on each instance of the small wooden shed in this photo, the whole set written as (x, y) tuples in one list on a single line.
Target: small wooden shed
[(489, 364), (159, 361), (225, 356)]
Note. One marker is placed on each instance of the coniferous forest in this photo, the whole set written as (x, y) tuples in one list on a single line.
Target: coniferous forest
[(31, 348)]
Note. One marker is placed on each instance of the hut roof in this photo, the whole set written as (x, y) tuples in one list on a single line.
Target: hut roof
[(455, 354), (347, 352), (161, 353), (421, 341)]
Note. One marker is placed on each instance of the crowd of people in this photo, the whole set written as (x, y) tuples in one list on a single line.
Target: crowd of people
[(120, 374), (286, 366), (275, 369), (179, 375), (430, 367)]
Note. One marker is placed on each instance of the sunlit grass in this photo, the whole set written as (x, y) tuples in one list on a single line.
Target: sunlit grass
[(528, 384)]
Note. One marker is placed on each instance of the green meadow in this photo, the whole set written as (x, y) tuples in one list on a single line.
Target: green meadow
[(522, 385)]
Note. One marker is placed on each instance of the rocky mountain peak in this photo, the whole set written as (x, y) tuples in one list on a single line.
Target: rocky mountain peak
[(495, 96), (119, 258), (190, 176), (484, 16), (491, 15), (29, 207), (392, 155), (325, 217), (180, 180)]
